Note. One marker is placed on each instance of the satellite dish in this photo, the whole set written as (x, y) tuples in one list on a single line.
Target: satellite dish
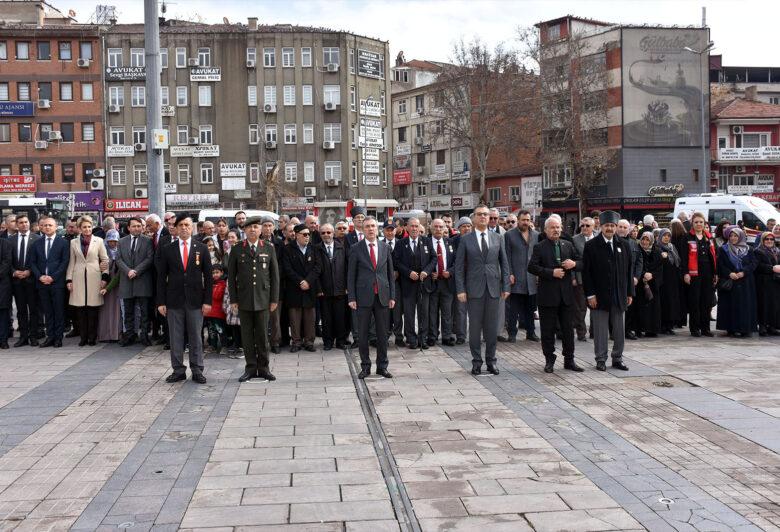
[(225, 20)]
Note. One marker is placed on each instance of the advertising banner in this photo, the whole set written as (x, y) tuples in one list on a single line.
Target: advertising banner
[(17, 109), (369, 64), (205, 74), (15, 184), (125, 73)]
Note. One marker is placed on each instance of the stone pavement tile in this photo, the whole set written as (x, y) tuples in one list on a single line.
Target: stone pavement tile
[(308, 527), (495, 523), (357, 464), (233, 455), (438, 489), (584, 520), (294, 441), (352, 439), (488, 471), (243, 481), (438, 508), (59, 508), (221, 516), (217, 497), (468, 445), (298, 465), (437, 459), (226, 468), (410, 474), (45, 523), (513, 457), (487, 487), (497, 504), (365, 492), (338, 478), (354, 428), (548, 484), (288, 495), (372, 526), (587, 500), (336, 451), (341, 511), (252, 432)]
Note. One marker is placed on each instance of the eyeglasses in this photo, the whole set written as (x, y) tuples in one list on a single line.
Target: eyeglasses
[(494, 217), (326, 232), (304, 234), (585, 225), (511, 222), (769, 239)]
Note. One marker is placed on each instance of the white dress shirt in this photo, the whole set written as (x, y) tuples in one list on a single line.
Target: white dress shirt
[(443, 251), (479, 238)]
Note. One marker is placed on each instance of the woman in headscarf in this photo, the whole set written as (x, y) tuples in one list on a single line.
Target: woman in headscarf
[(768, 285), (110, 320), (737, 304), (648, 289), (680, 244), (671, 282)]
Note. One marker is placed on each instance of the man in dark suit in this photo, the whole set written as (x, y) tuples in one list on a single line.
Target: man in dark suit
[(23, 282), (554, 261), (520, 243), (333, 289), (579, 240), (631, 318), (440, 310), (301, 270), (609, 289), (482, 281), (396, 326), (49, 263), (184, 285), (459, 310), (371, 292), (415, 260), (277, 315), (356, 235), (160, 235), (135, 261), (6, 252)]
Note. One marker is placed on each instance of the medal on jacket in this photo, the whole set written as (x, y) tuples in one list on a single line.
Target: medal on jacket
[(451, 249), (197, 258)]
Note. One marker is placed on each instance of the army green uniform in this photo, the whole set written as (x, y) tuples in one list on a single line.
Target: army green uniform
[(253, 281)]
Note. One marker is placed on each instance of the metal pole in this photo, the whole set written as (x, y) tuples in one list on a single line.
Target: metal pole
[(704, 128), (154, 158)]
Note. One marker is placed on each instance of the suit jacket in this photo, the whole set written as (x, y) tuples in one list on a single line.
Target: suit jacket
[(15, 264), (608, 275), (449, 254), (422, 260), (6, 251), (84, 272), (180, 289), (297, 267), (553, 291), (351, 238), (57, 263), (362, 276), (579, 242), (475, 275), (636, 257), (518, 253), (142, 261), (333, 278)]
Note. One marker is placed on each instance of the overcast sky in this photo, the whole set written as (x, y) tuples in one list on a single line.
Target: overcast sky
[(744, 31)]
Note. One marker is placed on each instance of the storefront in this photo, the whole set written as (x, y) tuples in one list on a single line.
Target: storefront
[(379, 208), (298, 206), (123, 208), (79, 203), (191, 202)]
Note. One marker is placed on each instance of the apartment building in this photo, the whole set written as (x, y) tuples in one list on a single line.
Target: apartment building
[(238, 99)]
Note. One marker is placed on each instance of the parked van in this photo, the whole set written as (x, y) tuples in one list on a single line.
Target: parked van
[(214, 215), (753, 212)]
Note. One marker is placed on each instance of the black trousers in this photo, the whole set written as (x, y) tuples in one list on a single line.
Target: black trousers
[(52, 300), (549, 318), (380, 314), (699, 297), (521, 306), (143, 307), (26, 307), (254, 338), (333, 310), (88, 322)]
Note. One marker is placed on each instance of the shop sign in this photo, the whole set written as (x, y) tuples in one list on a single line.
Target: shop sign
[(531, 192), (168, 110), (17, 109), (371, 154), (665, 190), (195, 151), (169, 188), (370, 107), (232, 170), (242, 194), (557, 194), (403, 149), (426, 148), (369, 64), (15, 184), (463, 202), (119, 150), (763, 153), (371, 180), (296, 203), (130, 204), (124, 73), (191, 200), (77, 201), (205, 74), (402, 177), (439, 202), (371, 167), (233, 183), (771, 198), (749, 189)]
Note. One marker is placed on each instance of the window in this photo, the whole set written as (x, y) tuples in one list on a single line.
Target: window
[(419, 103), (270, 132), (419, 130), (3, 50), (290, 134), (331, 94), (138, 96), (352, 98), (44, 90), (752, 140), (44, 130), (87, 132), (662, 175), (401, 75), (118, 175), (4, 96), (269, 57), (254, 172), (289, 95), (333, 170), (137, 58), (5, 132), (22, 51), (26, 169), (306, 95), (206, 173), (353, 175), (117, 134), (183, 174), (421, 159), (716, 215), (332, 133), (204, 57), (330, 55), (251, 54), (290, 172), (139, 134), (47, 173), (44, 50), (116, 96), (723, 142), (695, 174), (182, 135), (384, 176), (85, 50), (288, 57), (557, 176), (66, 54), (494, 194), (5, 169), (306, 57), (165, 96), (352, 137), (440, 188), (66, 91), (254, 133), (308, 172), (553, 32), (441, 157), (114, 57), (66, 130), (774, 100), (164, 58), (308, 133), (382, 68), (382, 101), (139, 174), (167, 173), (25, 132), (181, 96), (269, 95), (251, 95), (422, 189), (181, 57), (351, 60), (205, 134), (204, 95), (269, 166), (87, 94), (23, 91)]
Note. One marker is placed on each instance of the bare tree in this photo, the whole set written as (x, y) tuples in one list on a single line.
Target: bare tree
[(572, 111)]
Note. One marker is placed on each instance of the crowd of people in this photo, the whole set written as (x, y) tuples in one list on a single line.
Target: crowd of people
[(248, 287)]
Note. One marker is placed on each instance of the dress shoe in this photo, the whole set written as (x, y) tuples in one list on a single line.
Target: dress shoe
[(431, 343), (549, 367), (601, 366), (33, 341), (57, 343), (460, 341), (512, 339), (327, 347), (72, 334), (582, 338), (199, 378), (354, 344), (294, 349), (310, 348), (423, 345), (476, 370), (384, 373), (532, 337), (620, 366), (267, 375), (82, 343), (572, 366), (145, 341), (492, 369), (449, 343), (630, 335), (275, 350), (501, 338), (4, 345), (340, 345), (245, 377), (364, 373), (23, 341), (48, 342), (707, 333), (173, 377), (411, 346), (399, 342), (695, 334)]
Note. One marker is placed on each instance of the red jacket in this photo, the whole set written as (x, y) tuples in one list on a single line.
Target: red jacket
[(217, 294)]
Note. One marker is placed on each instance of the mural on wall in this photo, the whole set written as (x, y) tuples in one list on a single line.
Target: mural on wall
[(662, 86)]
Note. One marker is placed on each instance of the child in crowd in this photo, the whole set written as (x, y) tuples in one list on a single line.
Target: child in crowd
[(215, 319)]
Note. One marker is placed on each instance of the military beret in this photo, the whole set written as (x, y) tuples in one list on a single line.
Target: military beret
[(357, 210), (254, 220), (182, 216), (300, 227), (464, 220), (609, 217)]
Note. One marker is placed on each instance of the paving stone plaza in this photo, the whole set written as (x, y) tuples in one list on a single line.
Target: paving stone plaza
[(688, 439)]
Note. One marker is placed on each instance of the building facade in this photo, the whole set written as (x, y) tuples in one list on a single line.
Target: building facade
[(732, 81)]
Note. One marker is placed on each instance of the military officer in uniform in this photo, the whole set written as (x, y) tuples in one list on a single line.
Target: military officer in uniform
[(253, 282)]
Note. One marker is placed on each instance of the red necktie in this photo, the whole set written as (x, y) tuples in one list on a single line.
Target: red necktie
[(440, 257), (184, 254), (373, 261), (154, 241)]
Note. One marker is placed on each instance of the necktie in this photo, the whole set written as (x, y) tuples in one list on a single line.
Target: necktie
[(373, 261), (330, 252), (184, 254), (154, 241), (22, 253), (48, 247), (557, 252), (439, 258), (414, 246), (392, 245), (484, 247), (253, 249), (132, 245)]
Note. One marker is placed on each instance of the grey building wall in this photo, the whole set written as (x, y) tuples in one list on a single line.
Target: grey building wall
[(642, 169)]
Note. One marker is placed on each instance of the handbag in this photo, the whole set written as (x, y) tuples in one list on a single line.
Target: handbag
[(648, 292), (725, 284)]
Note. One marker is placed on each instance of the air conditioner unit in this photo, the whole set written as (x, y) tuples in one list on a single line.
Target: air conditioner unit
[(420, 111), (737, 130), (419, 141), (740, 169), (41, 144), (333, 182), (44, 104), (98, 172), (97, 184), (328, 145), (270, 145), (332, 67), (515, 198), (193, 141), (309, 191), (193, 61), (83, 63), (269, 108), (140, 146), (55, 135), (140, 193), (330, 106), (250, 63), (420, 170), (113, 108)]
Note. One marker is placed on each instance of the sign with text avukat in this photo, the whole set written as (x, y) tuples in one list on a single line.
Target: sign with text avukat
[(205, 74), (195, 151)]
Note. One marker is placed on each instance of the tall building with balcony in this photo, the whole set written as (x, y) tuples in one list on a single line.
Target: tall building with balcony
[(733, 81), (238, 99)]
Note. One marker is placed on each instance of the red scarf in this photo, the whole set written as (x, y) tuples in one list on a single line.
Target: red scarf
[(693, 260)]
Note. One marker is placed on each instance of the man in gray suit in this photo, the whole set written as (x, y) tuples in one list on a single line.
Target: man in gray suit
[(482, 280), (371, 292), (520, 243), (135, 260), (581, 308)]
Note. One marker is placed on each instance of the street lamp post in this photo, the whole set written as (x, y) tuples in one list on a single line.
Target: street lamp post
[(705, 178)]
